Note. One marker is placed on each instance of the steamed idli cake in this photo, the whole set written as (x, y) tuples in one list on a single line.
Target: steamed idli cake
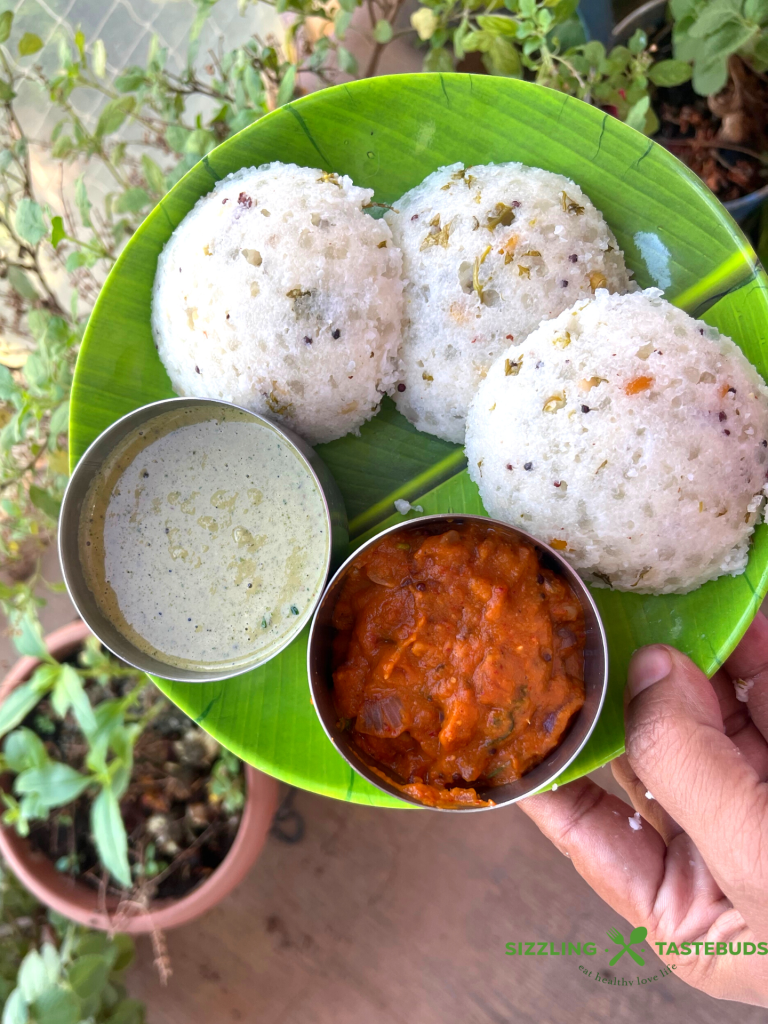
[(488, 252), (279, 293), (629, 436)]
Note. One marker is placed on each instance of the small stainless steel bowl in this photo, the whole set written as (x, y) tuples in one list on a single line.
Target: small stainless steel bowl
[(69, 520), (319, 663)]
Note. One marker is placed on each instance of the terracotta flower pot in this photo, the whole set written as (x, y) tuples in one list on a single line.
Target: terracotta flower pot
[(80, 903)]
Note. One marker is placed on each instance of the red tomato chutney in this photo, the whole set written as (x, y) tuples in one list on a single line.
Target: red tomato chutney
[(458, 660)]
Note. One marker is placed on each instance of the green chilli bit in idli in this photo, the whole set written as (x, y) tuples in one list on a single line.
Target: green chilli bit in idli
[(279, 293), (629, 436), (488, 253)]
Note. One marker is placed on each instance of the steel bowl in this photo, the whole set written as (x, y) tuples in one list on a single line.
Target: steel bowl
[(74, 497), (319, 664)]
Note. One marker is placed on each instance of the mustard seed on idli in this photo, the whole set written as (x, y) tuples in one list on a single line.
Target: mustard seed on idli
[(488, 252), (279, 293), (629, 436)]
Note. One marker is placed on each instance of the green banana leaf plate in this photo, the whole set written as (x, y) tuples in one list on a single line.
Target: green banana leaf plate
[(387, 134)]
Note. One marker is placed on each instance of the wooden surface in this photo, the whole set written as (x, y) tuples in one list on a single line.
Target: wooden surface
[(383, 917)]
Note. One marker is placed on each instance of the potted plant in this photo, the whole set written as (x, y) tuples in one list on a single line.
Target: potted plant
[(120, 811), (54, 971), (717, 123)]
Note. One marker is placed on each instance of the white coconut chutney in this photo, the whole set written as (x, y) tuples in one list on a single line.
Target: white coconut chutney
[(204, 539)]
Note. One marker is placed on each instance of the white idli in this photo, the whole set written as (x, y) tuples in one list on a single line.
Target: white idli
[(630, 437), (488, 252), (279, 293)]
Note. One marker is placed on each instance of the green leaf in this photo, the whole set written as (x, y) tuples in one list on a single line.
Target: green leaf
[(109, 717), (125, 951), (130, 80), (110, 837), (17, 706), (29, 638), (6, 21), (347, 61), (33, 977), (29, 44), (715, 15), (75, 260), (83, 202), (122, 742), (502, 57), (53, 784), (729, 38), (88, 975), (133, 200), (709, 78), (564, 11), (7, 384), (382, 33), (176, 137), (58, 234), (45, 501), (113, 115), (6, 93), (59, 419), (756, 10), (200, 142), (30, 224), (72, 692), (594, 53), (637, 113), (15, 1010), (668, 73), (497, 24), (129, 1011), (253, 85), (57, 1006), (52, 962), (62, 147), (437, 60), (458, 39), (760, 53), (153, 175), (94, 942), (20, 282), (638, 41), (99, 58), (341, 23), (24, 749), (680, 9), (285, 92)]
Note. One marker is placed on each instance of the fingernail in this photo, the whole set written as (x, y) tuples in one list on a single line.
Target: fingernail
[(648, 666)]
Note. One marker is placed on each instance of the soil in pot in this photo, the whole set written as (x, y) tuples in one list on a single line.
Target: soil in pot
[(183, 804)]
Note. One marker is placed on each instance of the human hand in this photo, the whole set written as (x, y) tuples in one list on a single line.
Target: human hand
[(697, 870)]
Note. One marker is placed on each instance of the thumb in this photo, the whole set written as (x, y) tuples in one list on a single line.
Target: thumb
[(677, 745)]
